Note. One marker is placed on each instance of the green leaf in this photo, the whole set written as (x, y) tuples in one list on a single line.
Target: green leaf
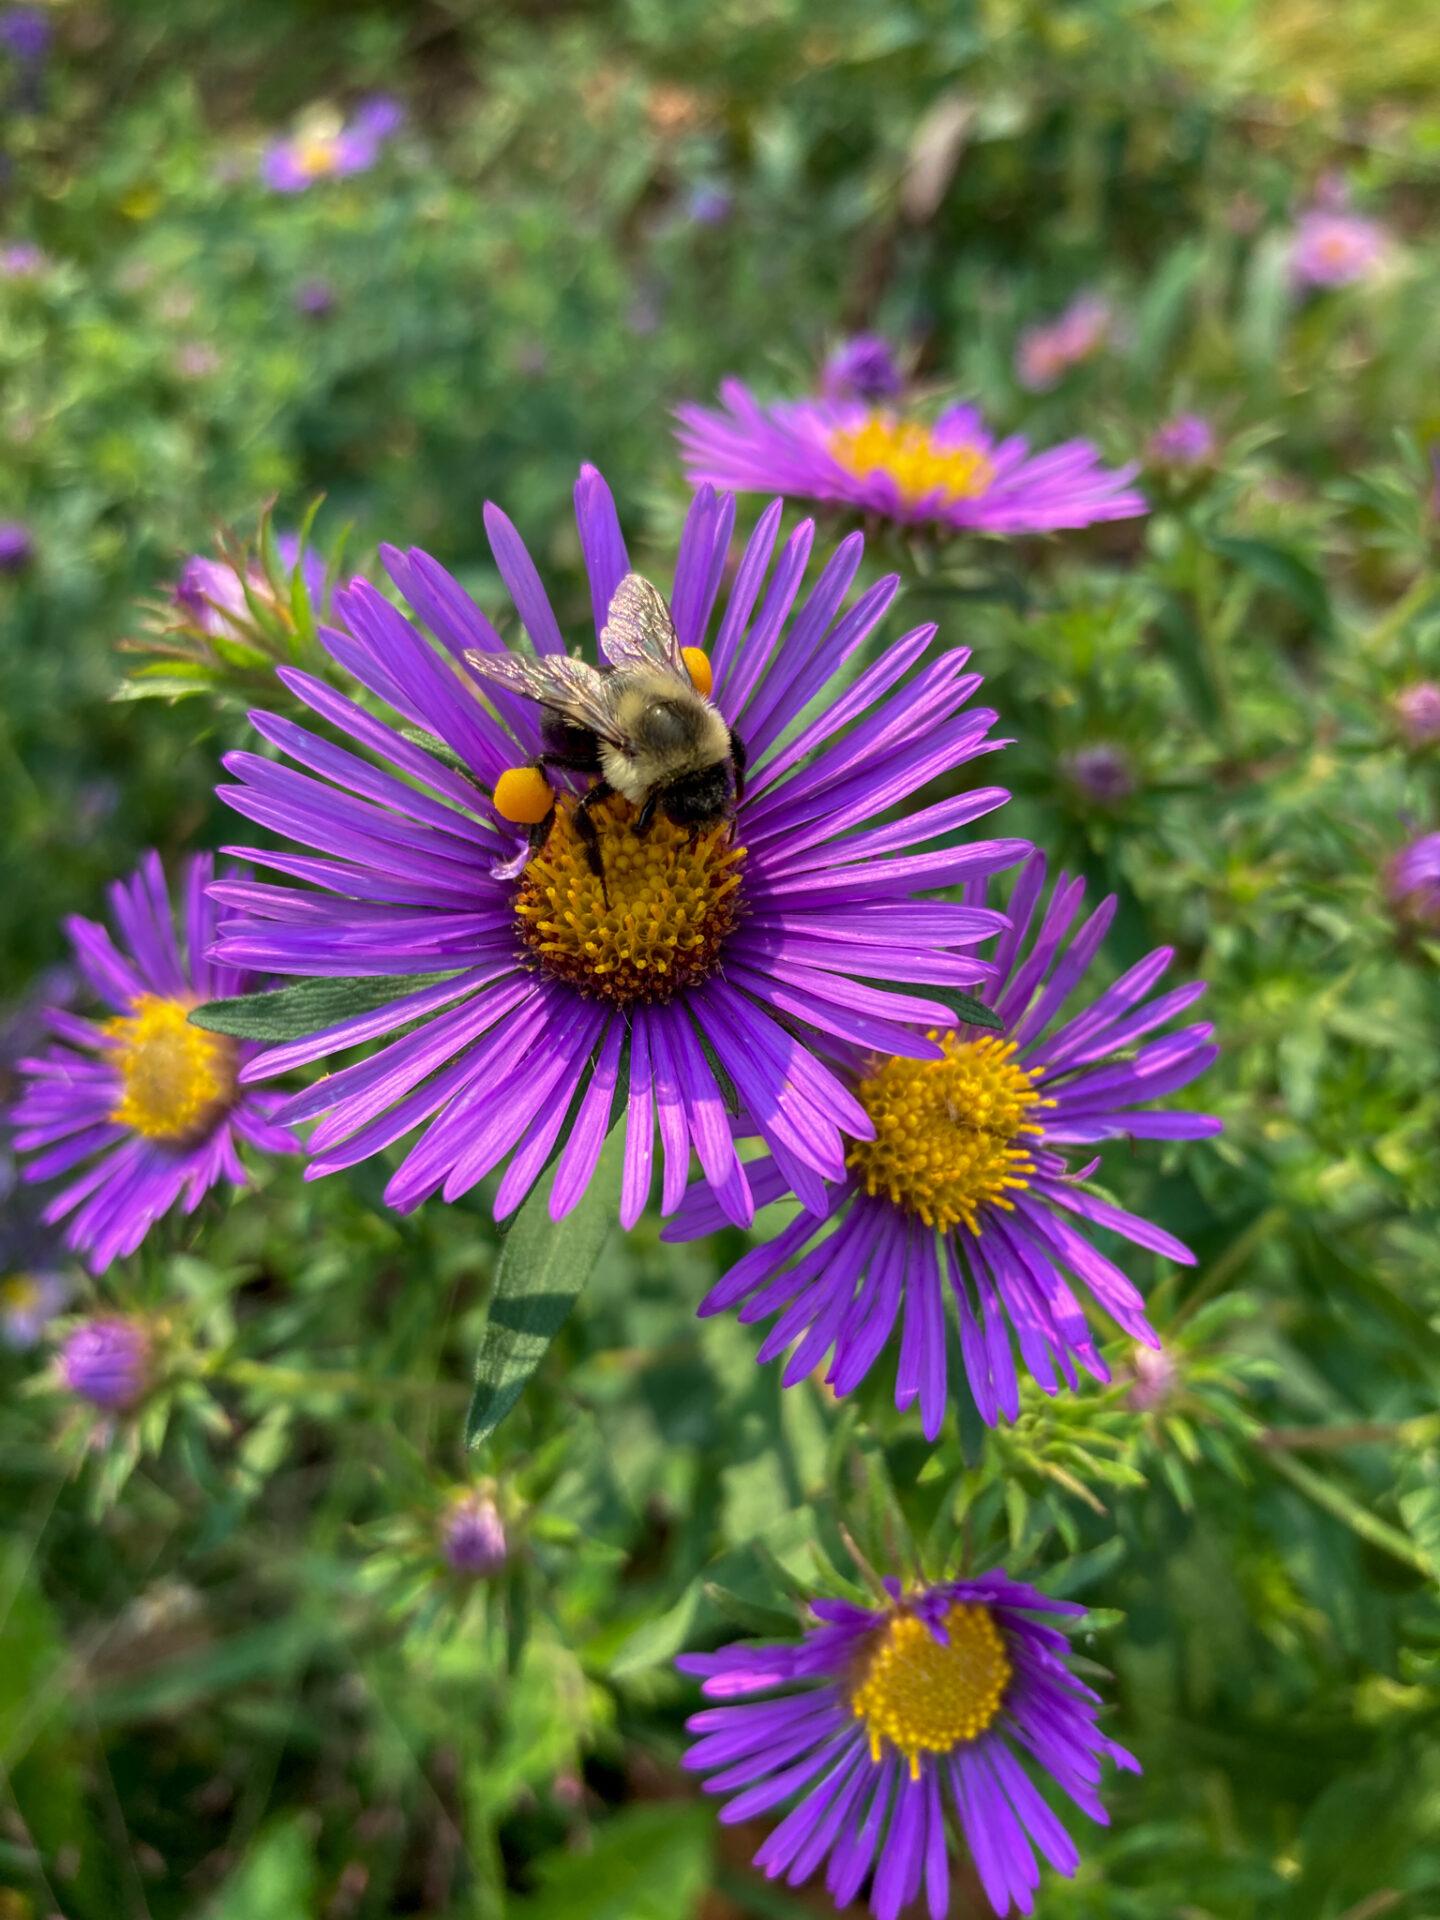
[(277, 1877), (290, 1013), (974, 1011), (648, 1863), (543, 1265)]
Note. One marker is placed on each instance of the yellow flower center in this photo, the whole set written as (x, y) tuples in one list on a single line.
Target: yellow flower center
[(949, 1134), (657, 923), (18, 1294), (175, 1079), (919, 465), (924, 1697), (317, 154)]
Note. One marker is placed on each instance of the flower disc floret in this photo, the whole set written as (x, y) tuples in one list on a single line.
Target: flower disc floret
[(652, 926), (950, 1135), (921, 1690), (175, 1079), (921, 467)]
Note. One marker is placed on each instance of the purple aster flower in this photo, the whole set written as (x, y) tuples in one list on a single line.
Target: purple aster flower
[(862, 369), (473, 1536), (690, 965), (1102, 772), (951, 473), (1333, 247), (330, 149), (25, 32), (211, 595), (17, 546), (893, 1728), (146, 1104), (28, 1303), (22, 260), (107, 1362), (1046, 353), (1412, 881), (1186, 441), (1417, 713), (964, 1188)]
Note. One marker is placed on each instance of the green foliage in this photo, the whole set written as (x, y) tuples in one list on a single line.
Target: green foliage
[(239, 1675)]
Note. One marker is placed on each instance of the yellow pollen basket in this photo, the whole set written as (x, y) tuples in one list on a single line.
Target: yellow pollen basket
[(670, 904), (175, 1079), (523, 796), (697, 662), (922, 1697), (950, 1135), (909, 453)]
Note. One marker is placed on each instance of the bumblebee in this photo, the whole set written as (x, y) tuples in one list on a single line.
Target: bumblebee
[(640, 725)]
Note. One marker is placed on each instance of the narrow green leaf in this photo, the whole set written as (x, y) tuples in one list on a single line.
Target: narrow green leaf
[(543, 1265), (290, 1013), (974, 1011)]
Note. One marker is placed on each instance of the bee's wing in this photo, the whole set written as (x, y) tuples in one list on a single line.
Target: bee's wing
[(573, 689), (639, 631)]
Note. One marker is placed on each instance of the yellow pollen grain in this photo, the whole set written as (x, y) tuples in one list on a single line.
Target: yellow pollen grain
[(909, 453), (950, 1135), (920, 1696), (175, 1079), (660, 920)]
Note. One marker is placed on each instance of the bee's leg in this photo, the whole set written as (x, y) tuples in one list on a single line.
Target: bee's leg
[(540, 832), (646, 814), (740, 760), (589, 838)]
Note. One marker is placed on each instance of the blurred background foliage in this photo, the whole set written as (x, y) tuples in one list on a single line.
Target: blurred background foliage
[(238, 1678)]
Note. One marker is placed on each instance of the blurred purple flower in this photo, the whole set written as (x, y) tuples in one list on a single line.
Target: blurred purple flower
[(1102, 772), (473, 1536), (1047, 352), (17, 546), (1186, 441), (1417, 713), (950, 472), (28, 1303), (325, 149), (1333, 247), (1155, 1377), (709, 204), (211, 595), (863, 368), (315, 297), (107, 1362), (197, 360), (1412, 881), (25, 32), (21, 261)]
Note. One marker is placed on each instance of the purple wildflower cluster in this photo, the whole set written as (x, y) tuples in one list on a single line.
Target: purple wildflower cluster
[(783, 976)]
